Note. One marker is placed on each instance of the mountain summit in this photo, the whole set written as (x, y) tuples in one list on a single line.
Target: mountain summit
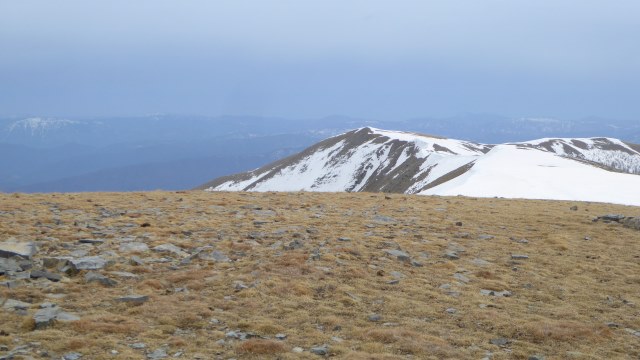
[(374, 160)]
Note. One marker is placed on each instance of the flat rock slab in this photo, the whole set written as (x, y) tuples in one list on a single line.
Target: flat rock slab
[(170, 248), (134, 247), (14, 248), (88, 263), (47, 316)]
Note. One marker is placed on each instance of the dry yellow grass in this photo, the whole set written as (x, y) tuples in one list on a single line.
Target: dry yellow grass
[(323, 290)]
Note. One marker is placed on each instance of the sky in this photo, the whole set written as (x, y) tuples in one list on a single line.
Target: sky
[(311, 58)]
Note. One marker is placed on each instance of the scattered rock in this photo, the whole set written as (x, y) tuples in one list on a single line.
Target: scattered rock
[(281, 336), (14, 248), (215, 255), (170, 248), (295, 244), (611, 217), (374, 317), (461, 277), (633, 332), (384, 219), (157, 354), (500, 341), (536, 357), (134, 247), (451, 310), (134, 299), (504, 293), (88, 263), (49, 314), (138, 346), (72, 356), (11, 265), (574, 208), (400, 255), (99, 278), (485, 237), (45, 274), (297, 350), (451, 255), (519, 257), (320, 350), (91, 241)]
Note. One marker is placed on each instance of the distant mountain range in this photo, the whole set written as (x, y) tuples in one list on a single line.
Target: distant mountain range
[(45, 154), (369, 159)]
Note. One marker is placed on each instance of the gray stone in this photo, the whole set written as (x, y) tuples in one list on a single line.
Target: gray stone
[(281, 336), (400, 255), (157, 354), (88, 263), (374, 317), (267, 213), (451, 255), (170, 248), (45, 274), (99, 278), (480, 262), (632, 332), (133, 299), (611, 217), (72, 356), (295, 244), (11, 304), (461, 277), (216, 256), (519, 257), (134, 247), (297, 350), (451, 310), (14, 248), (504, 293), (536, 357), (500, 341), (11, 265), (384, 219), (49, 314), (138, 346), (320, 350), (632, 223), (91, 241), (485, 237)]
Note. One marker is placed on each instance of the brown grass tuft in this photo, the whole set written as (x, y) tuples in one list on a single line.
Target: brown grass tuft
[(547, 330), (260, 347)]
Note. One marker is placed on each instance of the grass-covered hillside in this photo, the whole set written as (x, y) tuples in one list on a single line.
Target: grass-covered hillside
[(196, 275)]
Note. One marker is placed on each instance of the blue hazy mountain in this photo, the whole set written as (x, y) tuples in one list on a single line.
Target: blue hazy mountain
[(181, 152)]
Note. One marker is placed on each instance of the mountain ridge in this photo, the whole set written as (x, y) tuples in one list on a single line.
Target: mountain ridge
[(374, 160)]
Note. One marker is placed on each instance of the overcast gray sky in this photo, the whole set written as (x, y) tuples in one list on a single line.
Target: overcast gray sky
[(294, 58)]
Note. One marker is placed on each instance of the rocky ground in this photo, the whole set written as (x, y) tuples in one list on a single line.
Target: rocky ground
[(194, 275)]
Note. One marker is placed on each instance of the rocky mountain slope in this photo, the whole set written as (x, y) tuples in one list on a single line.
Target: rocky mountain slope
[(373, 160), (199, 275)]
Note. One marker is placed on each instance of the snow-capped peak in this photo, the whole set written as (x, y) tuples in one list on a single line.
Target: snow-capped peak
[(370, 159)]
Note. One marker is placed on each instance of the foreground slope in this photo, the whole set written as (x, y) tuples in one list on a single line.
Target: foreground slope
[(368, 159), (356, 276)]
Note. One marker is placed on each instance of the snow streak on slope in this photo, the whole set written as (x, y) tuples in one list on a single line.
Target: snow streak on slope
[(369, 159)]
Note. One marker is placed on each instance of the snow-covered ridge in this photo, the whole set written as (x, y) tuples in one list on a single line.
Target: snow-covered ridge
[(370, 159)]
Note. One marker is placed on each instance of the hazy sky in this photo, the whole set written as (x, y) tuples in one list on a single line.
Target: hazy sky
[(309, 58)]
